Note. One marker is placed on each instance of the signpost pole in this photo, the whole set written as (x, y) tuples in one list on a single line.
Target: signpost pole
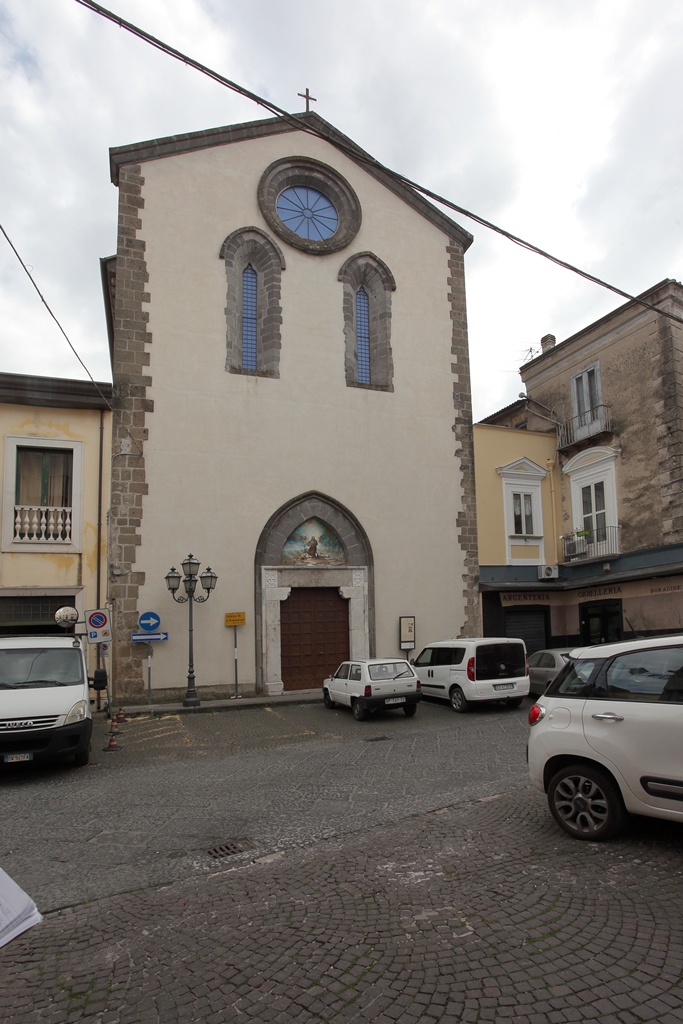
[(149, 673), (234, 629)]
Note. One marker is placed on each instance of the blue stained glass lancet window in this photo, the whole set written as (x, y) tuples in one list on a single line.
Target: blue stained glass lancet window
[(363, 335), (307, 212), (249, 318)]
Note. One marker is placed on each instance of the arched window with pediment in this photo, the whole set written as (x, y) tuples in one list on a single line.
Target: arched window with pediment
[(368, 284), (253, 268)]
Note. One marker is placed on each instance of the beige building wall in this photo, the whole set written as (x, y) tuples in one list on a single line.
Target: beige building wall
[(496, 447), (225, 451), (43, 569)]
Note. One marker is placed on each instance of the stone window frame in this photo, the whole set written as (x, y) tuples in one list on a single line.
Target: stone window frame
[(12, 443), (591, 466), (523, 476), (243, 247), (366, 270), (302, 170)]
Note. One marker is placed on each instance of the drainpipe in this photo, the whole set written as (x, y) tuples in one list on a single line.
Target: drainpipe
[(98, 577), (550, 464)]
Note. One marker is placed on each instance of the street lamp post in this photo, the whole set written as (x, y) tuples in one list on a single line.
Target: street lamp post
[(208, 580)]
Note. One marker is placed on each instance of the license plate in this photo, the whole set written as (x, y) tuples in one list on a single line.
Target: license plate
[(395, 700), (503, 686), (9, 758)]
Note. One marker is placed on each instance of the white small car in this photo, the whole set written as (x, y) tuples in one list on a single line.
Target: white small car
[(606, 737), (369, 684), (471, 670)]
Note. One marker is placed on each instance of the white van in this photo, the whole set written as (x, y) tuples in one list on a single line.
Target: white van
[(44, 700), (469, 670)]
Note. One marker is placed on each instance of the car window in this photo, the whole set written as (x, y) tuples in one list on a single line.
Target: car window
[(448, 655), (535, 659), (547, 660), (354, 673), (425, 657), (343, 671), (574, 679), (649, 675), (389, 670), (500, 661)]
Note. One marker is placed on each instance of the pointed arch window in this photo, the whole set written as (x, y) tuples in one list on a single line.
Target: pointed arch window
[(368, 284), (253, 268), (363, 335), (249, 292)]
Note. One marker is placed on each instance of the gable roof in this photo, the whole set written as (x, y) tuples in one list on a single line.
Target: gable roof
[(172, 145)]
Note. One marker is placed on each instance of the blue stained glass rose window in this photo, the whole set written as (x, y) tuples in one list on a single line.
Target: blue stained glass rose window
[(307, 212)]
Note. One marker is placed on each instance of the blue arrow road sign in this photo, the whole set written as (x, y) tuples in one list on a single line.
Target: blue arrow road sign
[(149, 621), (145, 638)]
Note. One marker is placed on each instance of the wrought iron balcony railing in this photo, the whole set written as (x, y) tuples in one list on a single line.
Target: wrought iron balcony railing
[(594, 421), (42, 524), (586, 544)]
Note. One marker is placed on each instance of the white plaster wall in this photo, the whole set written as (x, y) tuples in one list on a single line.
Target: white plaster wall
[(226, 451)]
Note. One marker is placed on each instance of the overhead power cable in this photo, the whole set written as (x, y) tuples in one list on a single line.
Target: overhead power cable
[(360, 156), (68, 340), (44, 301)]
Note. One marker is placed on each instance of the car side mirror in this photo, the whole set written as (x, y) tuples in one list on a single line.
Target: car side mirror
[(412, 661), (99, 679)]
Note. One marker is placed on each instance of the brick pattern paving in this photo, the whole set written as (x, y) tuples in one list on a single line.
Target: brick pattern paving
[(478, 912)]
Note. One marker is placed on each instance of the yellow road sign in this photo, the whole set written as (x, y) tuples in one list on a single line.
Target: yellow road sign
[(235, 618)]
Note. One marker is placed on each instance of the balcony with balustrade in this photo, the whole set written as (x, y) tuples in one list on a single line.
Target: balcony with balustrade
[(42, 524), (585, 545), (597, 420)]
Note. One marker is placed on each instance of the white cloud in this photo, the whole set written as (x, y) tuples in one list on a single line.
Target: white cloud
[(559, 121)]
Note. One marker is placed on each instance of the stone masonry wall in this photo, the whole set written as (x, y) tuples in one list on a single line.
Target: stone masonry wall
[(130, 406), (667, 372), (462, 428)]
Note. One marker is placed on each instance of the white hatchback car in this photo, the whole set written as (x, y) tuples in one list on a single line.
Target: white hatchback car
[(367, 685), (606, 737)]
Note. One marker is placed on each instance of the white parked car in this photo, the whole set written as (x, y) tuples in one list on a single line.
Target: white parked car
[(467, 671), (367, 685), (606, 737)]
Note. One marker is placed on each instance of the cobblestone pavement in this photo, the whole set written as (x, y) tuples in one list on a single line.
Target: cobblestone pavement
[(279, 777), (477, 910)]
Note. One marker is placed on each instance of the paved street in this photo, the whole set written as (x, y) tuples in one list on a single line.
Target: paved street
[(399, 870)]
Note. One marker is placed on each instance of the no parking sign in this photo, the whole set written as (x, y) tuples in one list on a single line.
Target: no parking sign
[(99, 628)]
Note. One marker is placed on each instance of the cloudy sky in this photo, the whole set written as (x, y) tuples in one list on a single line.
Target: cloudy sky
[(561, 121)]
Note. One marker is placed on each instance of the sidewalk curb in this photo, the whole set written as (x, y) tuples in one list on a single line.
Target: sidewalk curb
[(211, 706)]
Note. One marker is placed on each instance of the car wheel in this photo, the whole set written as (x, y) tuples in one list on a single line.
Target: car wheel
[(586, 803), (82, 758), (327, 700), (514, 702), (359, 712), (409, 710), (459, 701)]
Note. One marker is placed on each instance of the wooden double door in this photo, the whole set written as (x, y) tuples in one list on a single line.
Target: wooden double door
[(314, 631)]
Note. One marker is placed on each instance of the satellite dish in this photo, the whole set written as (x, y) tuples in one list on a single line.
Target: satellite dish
[(66, 617)]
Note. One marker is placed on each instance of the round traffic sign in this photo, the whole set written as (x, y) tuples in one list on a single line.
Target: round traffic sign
[(97, 620), (149, 621)]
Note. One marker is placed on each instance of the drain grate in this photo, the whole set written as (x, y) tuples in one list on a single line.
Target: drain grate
[(375, 739), (231, 847)]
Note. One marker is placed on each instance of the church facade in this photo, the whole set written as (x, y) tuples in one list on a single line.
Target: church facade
[(291, 406)]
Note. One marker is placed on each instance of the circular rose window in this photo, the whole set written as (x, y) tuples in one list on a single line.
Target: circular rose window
[(307, 212), (309, 205)]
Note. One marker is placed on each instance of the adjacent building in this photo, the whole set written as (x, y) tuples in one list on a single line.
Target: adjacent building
[(56, 468), (580, 484), (291, 405)]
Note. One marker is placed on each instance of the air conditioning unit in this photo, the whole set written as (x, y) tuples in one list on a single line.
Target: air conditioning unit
[(548, 572)]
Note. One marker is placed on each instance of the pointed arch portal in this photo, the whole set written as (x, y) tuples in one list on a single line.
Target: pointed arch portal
[(315, 547)]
